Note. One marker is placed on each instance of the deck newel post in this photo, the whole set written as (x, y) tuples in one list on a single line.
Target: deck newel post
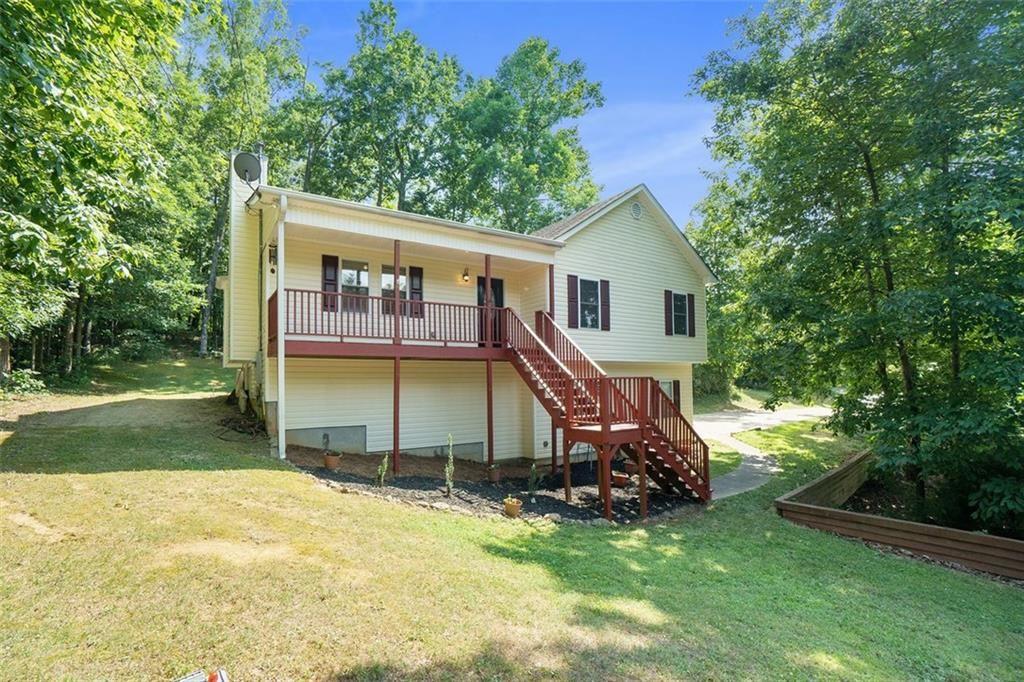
[(397, 339), (282, 312), (551, 312), (566, 468), (605, 406), (641, 449)]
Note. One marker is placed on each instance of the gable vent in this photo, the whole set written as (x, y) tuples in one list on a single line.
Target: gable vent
[(636, 210)]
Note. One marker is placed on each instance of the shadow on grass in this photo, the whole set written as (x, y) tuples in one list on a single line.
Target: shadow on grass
[(139, 434), (740, 591)]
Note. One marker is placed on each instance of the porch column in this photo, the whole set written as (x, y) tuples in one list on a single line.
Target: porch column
[(551, 311), (397, 339), (282, 312), (488, 332)]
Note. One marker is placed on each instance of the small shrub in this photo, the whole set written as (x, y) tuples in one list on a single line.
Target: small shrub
[(382, 470), (23, 381), (449, 469), (140, 346)]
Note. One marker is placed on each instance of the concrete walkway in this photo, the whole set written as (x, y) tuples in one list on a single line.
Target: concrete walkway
[(756, 467)]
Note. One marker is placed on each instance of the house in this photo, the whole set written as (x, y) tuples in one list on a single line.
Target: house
[(580, 336)]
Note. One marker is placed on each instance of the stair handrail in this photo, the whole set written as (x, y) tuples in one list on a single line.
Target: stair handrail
[(698, 458), (514, 319), (559, 339)]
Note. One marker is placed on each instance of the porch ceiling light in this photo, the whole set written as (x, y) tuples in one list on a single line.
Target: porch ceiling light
[(465, 275)]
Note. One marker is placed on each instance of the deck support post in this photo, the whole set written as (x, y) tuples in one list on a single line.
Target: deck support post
[(605, 462), (282, 318), (566, 468), (397, 332), (641, 451), (490, 412)]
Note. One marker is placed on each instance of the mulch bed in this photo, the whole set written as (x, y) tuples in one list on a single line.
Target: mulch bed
[(421, 481)]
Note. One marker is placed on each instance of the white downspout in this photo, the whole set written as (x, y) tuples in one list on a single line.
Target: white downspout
[(281, 326)]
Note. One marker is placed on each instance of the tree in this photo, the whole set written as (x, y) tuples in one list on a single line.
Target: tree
[(878, 150), (74, 147), (236, 58), (401, 125)]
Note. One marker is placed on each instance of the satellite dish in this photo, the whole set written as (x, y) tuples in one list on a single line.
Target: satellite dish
[(248, 167)]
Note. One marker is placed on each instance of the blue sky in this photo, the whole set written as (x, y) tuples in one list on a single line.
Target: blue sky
[(649, 130)]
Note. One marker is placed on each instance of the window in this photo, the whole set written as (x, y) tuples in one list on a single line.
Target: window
[(679, 315), (387, 287), (355, 279), (590, 304)]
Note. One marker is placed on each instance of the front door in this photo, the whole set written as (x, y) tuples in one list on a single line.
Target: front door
[(498, 294)]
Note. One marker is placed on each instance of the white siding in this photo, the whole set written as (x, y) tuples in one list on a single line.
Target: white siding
[(437, 398), (442, 279), (241, 308), (640, 259)]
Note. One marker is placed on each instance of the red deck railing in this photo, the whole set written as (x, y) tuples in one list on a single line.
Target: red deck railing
[(354, 317), (657, 409)]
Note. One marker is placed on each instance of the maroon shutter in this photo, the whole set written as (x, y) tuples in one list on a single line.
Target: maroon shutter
[(691, 321), (574, 301), (668, 313), (329, 281), (606, 323), (675, 392)]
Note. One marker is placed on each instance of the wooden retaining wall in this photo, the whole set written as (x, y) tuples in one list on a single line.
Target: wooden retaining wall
[(814, 505)]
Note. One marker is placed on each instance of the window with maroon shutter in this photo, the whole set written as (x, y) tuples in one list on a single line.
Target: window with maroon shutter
[(329, 281), (606, 323), (691, 327), (675, 392), (573, 295), (679, 314)]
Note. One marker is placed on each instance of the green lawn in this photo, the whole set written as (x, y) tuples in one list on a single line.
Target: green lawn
[(737, 399), (723, 458), (148, 547)]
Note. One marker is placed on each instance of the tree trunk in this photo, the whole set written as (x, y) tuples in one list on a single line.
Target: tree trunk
[(211, 281), (69, 342), (87, 337), (914, 471), (78, 322), (5, 357)]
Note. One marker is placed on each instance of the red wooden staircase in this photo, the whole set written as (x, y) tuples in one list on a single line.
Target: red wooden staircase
[(628, 414)]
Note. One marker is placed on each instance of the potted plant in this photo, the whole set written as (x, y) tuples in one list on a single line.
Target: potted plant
[(494, 473), (620, 479), (513, 507), (332, 460), (632, 467)]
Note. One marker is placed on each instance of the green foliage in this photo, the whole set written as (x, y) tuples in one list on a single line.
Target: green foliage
[(449, 469), (22, 381), (870, 225), (402, 126)]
